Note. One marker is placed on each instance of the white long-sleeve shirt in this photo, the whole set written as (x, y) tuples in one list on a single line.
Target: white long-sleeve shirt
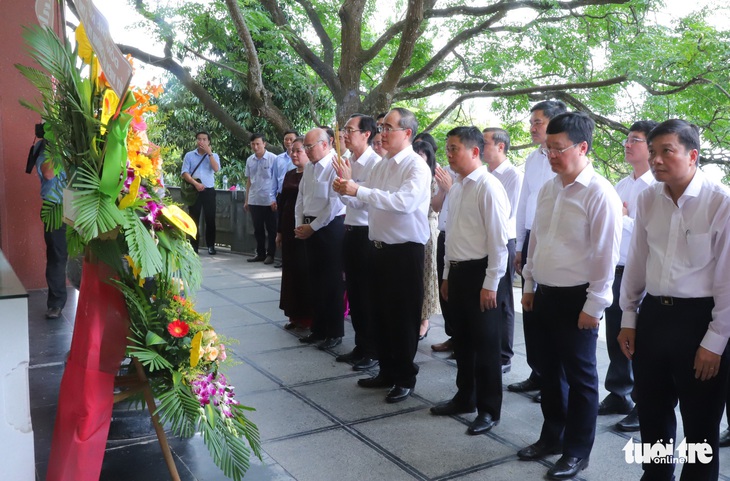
[(682, 250), (537, 173), (477, 225), (511, 180), (398, 198), (316, 197), (357, 214), (629, 189), (575, 238)]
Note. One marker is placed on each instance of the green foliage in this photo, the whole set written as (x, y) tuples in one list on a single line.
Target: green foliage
[(52, 215)]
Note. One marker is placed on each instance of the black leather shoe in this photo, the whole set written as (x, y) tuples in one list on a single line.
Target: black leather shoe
[(537, 451), (725, 438), (277, 265), (451, 408), (256, 259), (377, 381), (537, 398), (53, 313), (524, 386), (630, 423), (269, 260), (364, 364), (212, 251), (329, 343), (311, 339), (613, 404), (398, 394), (483, 423), (567, 467)]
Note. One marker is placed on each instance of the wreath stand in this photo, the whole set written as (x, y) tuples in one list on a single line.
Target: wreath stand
[(133, 383)]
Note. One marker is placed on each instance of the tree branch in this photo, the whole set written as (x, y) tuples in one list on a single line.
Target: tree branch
[(328, 51), (444, 86), (260, 96), (324, 70), (523, 91), (195, 88)]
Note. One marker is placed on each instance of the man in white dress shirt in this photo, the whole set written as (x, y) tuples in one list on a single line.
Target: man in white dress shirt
[(571, 260), (675, 298), (397, 199), (359, 132), (620, 377), (475, 262), (319, 220), (496, 146), (537, 173)]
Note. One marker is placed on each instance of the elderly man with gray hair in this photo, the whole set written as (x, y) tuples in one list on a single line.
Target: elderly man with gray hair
[(397, 199)]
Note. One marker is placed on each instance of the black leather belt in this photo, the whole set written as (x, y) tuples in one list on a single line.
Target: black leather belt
[(620, 269), (351, 228), (669, 301), (471, 262)]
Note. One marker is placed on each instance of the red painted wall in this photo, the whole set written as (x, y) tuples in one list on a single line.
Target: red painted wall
[(21, 231)]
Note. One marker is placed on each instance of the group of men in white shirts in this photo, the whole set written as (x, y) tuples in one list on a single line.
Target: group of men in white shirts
[(656, 245)]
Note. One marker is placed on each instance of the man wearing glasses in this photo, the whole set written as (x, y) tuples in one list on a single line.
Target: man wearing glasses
[(537, 173), (397, 198), (620, 378), (571, 260), (359, 131), (319, 219)]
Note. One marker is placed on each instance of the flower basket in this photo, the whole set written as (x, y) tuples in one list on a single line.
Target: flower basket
[(119, 213)]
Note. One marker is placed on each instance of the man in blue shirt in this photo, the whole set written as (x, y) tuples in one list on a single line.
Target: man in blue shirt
[(52, 185), (261, 187), (199, 168)]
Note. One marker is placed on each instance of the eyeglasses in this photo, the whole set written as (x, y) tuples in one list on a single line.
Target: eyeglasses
[(311, 146), (631, 141), (350, 131), (382, 129), (556, 152)]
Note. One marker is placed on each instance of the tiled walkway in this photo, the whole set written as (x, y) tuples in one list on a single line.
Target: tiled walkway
[(315, 423)]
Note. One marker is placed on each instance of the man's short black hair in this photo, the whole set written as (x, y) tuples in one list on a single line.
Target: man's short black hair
[(643, 126), (39, 130), (687, 133), (469, 137), (367, 124), (257, 135), (426, 137), (499, 136), (202, 132), (550, 108), (578, 125), (425, 149), (381, 115), (296, 134)]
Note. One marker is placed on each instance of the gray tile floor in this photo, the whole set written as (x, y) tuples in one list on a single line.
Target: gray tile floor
[(316, 424)]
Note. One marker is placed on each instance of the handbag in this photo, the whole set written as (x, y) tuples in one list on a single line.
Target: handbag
[(188, 192)]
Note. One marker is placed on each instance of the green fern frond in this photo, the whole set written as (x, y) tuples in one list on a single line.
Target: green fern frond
[(142, 247), (52, 215)]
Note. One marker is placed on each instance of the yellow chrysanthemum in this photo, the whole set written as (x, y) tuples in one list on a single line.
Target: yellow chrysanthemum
[(180, 219), (85, 50), (142, 166)]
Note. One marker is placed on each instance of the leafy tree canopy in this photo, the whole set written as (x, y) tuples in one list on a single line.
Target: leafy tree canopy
[(272, 65)]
